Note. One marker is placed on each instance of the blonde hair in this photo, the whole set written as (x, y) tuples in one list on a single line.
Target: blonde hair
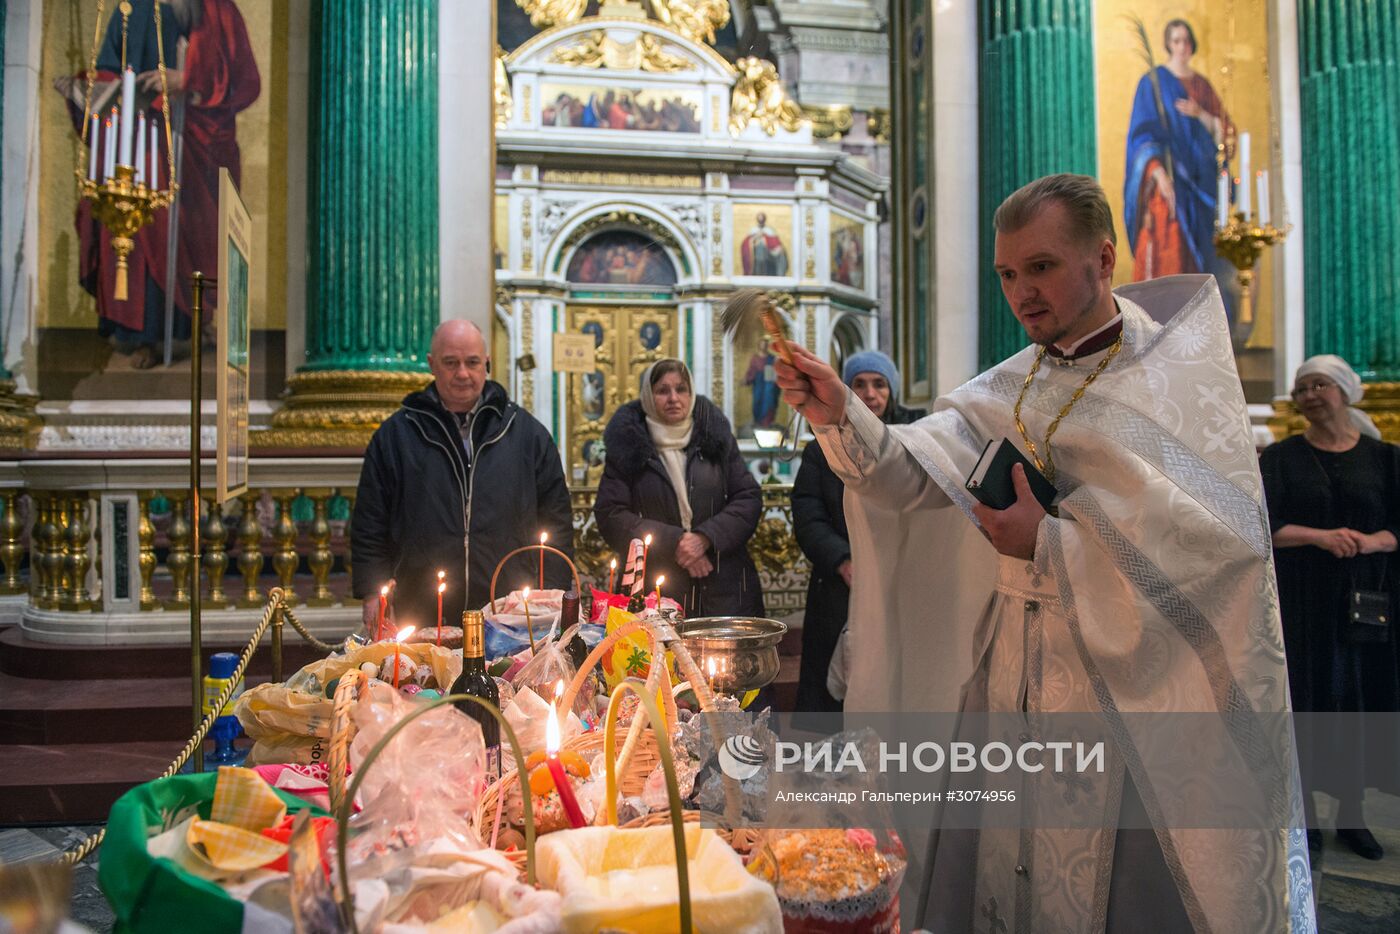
[(1082, 196)]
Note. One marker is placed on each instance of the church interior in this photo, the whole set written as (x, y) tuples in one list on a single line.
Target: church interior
[(589, 183)]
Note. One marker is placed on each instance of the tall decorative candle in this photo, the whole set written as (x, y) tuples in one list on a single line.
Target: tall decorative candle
[(109, 141), (1243, 193), (93, 145), (154, 178), (128, 114), (141, 148), (1222, 199), (1263, 184)]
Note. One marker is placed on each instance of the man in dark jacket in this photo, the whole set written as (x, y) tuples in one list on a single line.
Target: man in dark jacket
[(819, 524), (455, 480)]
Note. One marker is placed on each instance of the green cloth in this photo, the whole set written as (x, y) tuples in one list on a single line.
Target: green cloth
[(150, 894)]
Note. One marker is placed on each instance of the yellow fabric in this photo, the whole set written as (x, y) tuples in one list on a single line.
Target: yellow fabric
[(230, 848), (613, 879), (243, 799)]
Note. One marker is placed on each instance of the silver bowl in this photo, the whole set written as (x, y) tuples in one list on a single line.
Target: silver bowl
[(736, 653)]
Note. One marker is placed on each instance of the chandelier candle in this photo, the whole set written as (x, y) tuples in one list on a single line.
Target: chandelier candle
[(128, 114), (141, 148), (92, 150)]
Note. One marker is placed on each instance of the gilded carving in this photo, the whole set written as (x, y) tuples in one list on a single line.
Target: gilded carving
[(879, 123), (811, 329), (527, 240), (697, 20), (527, 346), (19, 424), (336, 408), (504, 105), (717, 365), (618, 219), (829, 122), (598, 49), (759, 97), (1381, 402), (546, 13), (810, 241), (619, 179)]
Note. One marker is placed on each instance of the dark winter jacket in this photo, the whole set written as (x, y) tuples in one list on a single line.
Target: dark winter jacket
[(425, 504), (635, 497), (819, 522)]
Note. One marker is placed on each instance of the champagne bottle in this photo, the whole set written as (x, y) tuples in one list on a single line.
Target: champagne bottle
[(475, 681)]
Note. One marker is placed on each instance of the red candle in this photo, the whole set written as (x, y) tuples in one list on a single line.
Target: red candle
[(556, 771), (441, 588), (383, 605), (544, 537), (612, 574)]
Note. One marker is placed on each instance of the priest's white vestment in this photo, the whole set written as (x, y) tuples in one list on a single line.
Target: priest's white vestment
[(1151, 591)]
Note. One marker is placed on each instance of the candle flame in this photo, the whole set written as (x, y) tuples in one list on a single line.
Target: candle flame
[(551, 732), (441, 575), (544, 537), (384, 591), (526, 593), (613, 564), (660, 579), (559, 689), (441, 588), (404, 633), (710, 664), (647, 541)]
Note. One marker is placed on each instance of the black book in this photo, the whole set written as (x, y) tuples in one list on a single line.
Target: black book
[(991, 479)]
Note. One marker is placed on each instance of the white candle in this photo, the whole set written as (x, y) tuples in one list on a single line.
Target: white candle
[(1222, 199), (128, 114), (93, 143), (1243, 193), (141, 148), (1263, 182), (155, 159), (109, 141)]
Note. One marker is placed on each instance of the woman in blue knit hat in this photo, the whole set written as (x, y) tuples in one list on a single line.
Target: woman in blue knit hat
[(819, 521)]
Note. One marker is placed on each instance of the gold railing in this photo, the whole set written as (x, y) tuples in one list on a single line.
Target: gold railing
[(301, 534)]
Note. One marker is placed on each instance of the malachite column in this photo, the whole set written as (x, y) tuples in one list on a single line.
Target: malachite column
[(1349, 73), (1037, 118), (372, 290)]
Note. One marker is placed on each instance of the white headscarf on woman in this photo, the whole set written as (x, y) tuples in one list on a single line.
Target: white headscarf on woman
[(1340, 372), (671, 440)]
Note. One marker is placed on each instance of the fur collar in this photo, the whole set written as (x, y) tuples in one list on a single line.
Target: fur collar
[(629, 446)]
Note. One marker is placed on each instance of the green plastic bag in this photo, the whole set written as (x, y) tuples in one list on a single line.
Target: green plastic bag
[(152, 894)]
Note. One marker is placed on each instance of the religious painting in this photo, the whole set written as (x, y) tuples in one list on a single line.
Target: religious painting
[(633, 109), (1175, 83), (758, 403), (621, 257), (847, 251), (762, 237), (220, 56), (500, 231), (232, 316)]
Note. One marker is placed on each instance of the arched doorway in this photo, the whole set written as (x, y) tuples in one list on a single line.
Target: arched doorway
[(621, 285)]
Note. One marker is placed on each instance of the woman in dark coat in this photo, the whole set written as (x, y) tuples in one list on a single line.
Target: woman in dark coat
[(819, 522), (673, 470), (1333, 494)]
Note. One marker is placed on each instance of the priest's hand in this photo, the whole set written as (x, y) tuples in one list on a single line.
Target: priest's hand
[(811, 386), (1013, 530)]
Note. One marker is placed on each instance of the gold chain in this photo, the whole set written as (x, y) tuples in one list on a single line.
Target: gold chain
[(1047, 466)]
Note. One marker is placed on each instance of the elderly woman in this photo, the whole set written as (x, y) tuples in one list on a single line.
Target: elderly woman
[(819, 522), (673, 470), (1334, 509)]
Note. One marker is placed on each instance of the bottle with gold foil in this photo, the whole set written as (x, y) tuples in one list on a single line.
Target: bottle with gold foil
[(477, 682)]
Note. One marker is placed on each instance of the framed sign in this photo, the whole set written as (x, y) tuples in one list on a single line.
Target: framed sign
[(573, 353), (231, 320)]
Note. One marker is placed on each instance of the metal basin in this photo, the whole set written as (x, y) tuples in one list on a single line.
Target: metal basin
[(737, 653)]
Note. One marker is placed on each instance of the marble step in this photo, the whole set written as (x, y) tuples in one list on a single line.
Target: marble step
[(27, 658), (76, 782)]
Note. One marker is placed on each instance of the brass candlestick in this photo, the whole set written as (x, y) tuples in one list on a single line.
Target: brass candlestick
[(1242, 242), (123, 207)]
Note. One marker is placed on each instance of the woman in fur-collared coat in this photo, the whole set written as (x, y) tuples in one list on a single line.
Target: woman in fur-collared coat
[(673, 470)]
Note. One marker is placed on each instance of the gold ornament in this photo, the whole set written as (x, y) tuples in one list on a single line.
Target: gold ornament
[(697, 20), (546, 13), (505, 106), (598, 49), (1047, 465), (759, 97)]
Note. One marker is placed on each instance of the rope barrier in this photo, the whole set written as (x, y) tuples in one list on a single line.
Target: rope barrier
[(276, 602)]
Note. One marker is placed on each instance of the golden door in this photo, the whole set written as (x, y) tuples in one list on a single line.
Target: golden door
[(626, 340)]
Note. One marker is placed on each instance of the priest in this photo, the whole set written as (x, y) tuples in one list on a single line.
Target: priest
[(1148, 588)]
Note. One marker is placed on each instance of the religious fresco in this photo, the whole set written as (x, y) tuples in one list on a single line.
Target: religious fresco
[(847, 251), (222, 109), (620, 257), (763, 240), (619, 108), (1170, 90)]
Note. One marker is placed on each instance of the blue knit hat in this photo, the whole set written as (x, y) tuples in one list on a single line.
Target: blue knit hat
[(870, 361)]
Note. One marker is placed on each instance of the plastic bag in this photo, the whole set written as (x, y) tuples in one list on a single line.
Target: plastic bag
[(506, 632), (291, 722), (424, 785), (528, 715), (550, 669)]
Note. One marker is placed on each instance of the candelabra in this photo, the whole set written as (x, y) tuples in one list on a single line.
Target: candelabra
[(1242, 242), (124, 186)]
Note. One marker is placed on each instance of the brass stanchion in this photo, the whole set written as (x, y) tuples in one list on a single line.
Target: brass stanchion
[(277, 644), (199, 280)]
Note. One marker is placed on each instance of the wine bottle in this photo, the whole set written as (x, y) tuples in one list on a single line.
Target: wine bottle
[(476, 682), (577, 648)]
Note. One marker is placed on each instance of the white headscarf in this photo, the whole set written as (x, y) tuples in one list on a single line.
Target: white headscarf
[(671, 440), (1340, 372)]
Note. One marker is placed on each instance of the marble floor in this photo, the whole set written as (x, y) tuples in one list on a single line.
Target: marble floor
[(1355, 896)]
